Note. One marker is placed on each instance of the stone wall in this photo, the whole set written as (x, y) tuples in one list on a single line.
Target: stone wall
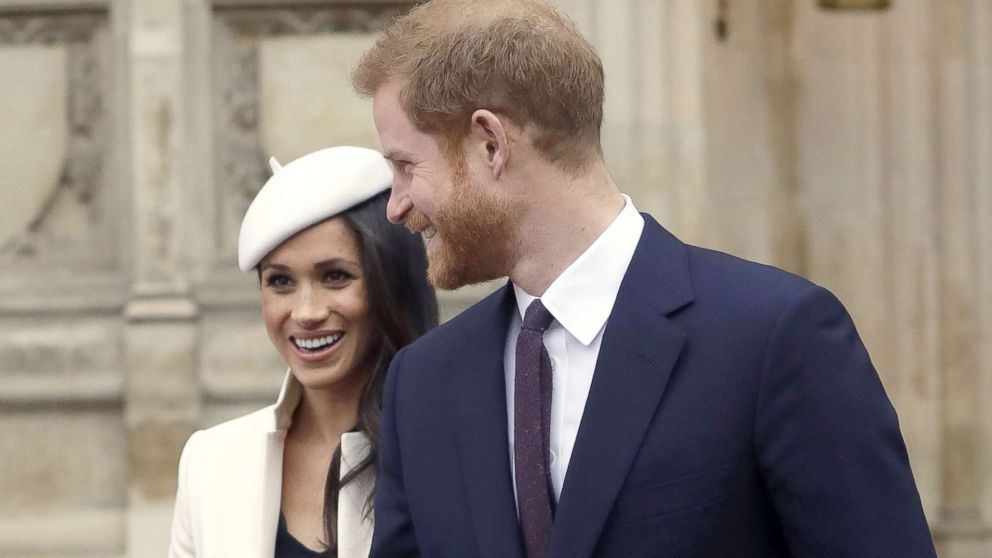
[(854, 148)]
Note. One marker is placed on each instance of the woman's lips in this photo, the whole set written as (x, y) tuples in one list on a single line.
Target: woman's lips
[(310, 355)]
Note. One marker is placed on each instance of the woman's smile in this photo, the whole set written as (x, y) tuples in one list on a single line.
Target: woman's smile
[(316, 347)]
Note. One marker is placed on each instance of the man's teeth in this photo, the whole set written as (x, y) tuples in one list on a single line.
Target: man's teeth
[(318, 343)]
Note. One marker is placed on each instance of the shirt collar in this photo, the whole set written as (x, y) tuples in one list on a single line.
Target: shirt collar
[(582, 297)]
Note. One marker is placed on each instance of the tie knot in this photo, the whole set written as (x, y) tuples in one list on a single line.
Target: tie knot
[(537, 317)]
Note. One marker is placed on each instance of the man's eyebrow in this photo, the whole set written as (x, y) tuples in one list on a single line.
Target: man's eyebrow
[(395, 156)]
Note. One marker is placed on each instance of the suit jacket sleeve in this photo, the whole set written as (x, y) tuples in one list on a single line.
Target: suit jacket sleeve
[(394, 534), (181, 543), (828, 441)]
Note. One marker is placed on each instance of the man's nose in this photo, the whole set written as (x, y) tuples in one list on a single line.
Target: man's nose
[(398, 207)]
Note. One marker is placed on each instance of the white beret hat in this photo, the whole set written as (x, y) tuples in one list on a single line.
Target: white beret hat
[(306, 191)]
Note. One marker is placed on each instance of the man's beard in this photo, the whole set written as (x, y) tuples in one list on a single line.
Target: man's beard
[(473, 235)]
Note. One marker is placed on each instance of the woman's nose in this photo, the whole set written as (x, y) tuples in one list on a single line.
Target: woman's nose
[(310, 310)]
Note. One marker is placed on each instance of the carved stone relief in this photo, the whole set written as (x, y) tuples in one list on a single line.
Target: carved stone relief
[(64, 216), (38, 122), (307, 80), (239, 40)]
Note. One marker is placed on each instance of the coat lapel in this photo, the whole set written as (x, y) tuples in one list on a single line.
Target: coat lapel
[(639, 349), (478, 401), (354, 528), (270, 499)]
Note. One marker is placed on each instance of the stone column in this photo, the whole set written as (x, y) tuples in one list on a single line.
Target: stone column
[(980, 19), (961, 530), (913, 379), (161, 403), (654, 117)]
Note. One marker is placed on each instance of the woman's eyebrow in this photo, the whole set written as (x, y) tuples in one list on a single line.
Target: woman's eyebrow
[(333, 262)]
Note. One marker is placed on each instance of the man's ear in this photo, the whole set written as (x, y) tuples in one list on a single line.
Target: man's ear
[(488, 139)]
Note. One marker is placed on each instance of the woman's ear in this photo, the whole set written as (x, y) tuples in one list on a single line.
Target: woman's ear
[(488, 139)]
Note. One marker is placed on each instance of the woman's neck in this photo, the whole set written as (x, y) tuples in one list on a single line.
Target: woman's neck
[(322, 416)]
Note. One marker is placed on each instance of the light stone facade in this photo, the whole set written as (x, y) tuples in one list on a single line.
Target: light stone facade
[(853, 148)]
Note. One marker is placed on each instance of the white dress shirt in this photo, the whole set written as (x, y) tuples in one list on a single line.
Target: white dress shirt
[(581, 300)]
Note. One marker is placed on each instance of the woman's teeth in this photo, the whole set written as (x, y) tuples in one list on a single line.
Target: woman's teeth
[(318, 343)]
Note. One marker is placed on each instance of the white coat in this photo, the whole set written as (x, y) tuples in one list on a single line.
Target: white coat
[(230, 487)]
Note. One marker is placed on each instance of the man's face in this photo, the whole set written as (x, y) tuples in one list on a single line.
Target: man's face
[(467, 228)]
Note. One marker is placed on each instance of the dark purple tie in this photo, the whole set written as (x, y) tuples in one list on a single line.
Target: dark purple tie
[(531, 430)]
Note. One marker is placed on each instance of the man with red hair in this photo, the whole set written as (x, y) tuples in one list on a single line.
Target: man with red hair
[(625, 394)]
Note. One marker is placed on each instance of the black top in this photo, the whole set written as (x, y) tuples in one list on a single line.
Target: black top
[(288, 547)]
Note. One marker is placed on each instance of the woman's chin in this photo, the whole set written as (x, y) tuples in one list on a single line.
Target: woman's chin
[(323, 378)]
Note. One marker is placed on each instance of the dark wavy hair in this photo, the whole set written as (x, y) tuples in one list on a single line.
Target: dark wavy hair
[(403, 306)]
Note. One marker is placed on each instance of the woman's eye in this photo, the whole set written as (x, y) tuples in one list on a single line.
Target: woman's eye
[(278, 281), (337, 277)]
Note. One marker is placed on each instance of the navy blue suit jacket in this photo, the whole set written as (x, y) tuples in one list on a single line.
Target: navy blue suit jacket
[(734, 412)]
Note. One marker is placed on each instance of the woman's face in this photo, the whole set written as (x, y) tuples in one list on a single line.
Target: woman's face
[(315, 307)]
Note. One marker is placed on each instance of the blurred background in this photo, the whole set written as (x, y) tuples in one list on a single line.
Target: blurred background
[(852, 146)]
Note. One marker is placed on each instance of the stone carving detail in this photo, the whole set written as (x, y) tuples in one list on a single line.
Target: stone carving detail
[(49, 29), (75, 193), (241, 167)]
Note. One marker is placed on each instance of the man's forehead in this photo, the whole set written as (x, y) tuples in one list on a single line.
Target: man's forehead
[(386, 109), (388, 95)]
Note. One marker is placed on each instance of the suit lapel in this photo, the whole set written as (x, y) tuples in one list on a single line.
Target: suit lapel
[(639, 349), (477, 396)]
